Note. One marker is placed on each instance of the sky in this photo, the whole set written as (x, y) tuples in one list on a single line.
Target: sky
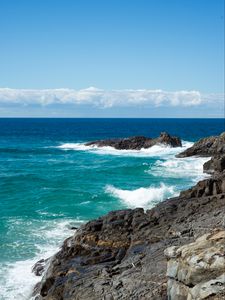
[(114, 58)]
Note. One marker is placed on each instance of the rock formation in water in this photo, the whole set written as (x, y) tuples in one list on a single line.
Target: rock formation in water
[(210, 146), (121, 255), (138, 142)]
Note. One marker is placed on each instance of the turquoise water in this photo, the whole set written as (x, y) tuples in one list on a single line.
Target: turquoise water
[(49, 181)]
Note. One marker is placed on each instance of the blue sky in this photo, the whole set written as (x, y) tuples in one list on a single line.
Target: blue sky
[(114, 58)]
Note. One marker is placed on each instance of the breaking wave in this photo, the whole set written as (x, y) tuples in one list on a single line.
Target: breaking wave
[(189, 167), (157, 150), (142, 197)]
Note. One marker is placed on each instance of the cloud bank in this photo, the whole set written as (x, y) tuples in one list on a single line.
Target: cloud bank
[(106, 99)]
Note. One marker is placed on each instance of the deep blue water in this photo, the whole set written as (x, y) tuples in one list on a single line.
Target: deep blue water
[(50, 181)]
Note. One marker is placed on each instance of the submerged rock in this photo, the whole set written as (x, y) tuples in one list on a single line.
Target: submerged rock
[(138, 142), (210, 146), (197, 270)]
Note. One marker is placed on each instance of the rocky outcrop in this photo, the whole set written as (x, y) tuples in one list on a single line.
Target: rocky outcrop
[(138, 142), (215, 165), (197, 270), (121, 255), (210, 146), (208, 187)]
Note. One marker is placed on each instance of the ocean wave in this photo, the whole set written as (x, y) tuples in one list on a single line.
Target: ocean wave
[(16, 278), (156, 150), (142, 197), (189, 167)]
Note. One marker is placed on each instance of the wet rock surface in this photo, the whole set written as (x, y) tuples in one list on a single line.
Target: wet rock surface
[(138, 142), (121, 255), (40, 266)]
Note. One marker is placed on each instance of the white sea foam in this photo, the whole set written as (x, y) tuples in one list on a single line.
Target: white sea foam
[(142, 197), (16, 278), (76, 146), (154, 151), (189, 167)]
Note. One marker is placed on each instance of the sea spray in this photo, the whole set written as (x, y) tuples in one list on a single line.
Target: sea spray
[(142, 197)]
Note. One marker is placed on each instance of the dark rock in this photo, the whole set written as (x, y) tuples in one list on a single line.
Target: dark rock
[(73, 228), (138, 142), (207, 187), (39, 268), (215, 165), (210, 146)]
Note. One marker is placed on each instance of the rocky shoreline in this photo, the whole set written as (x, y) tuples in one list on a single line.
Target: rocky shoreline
[(172, 251)]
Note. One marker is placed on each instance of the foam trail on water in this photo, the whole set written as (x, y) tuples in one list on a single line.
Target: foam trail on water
[(76, 146), (16, 278), (190, 167), (142, 197), (157, 150)]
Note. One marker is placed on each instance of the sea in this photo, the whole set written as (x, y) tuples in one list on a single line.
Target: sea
[(51, 182)]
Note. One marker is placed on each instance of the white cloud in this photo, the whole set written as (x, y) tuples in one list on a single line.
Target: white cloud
[(104, 99)]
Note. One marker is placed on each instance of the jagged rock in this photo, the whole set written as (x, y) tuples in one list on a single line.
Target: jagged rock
[(138, 142), (39, 267), (197, 270), (121, 255), (215, 165), (210, 146), (208, 187)]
